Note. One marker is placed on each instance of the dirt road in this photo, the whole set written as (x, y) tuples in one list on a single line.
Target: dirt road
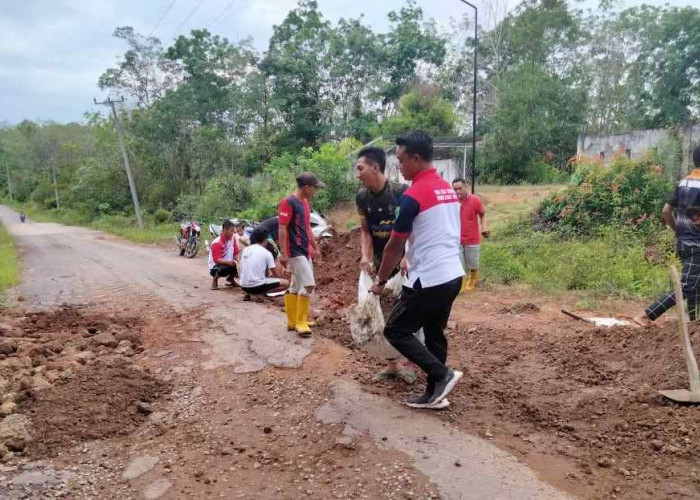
[(235, 423)]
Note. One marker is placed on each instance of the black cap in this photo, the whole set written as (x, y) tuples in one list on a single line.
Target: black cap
[(309, 179)]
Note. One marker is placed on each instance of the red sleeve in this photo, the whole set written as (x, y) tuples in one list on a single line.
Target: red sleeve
[(480, 209), (308, 221), (217, 251), (236, 249), (285, 212)]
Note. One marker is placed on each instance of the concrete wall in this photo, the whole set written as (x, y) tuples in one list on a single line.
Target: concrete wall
[(638, 142), (449, 168)]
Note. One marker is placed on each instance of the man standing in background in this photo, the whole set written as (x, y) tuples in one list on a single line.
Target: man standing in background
[(298, 247), (471, 211)]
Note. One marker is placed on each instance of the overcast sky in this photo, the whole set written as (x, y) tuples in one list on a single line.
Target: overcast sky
[(53, 51)]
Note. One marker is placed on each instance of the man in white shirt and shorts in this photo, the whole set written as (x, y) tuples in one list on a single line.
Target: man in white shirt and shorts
[(257, 264)]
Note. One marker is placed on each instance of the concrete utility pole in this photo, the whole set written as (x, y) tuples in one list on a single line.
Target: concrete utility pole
[(476, 45), (52, 161), (9, 185), (125, 157)]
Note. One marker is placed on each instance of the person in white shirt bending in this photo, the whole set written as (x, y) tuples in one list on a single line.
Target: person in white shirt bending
[(258, 271)]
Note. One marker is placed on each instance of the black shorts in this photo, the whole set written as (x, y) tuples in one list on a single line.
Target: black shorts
[(264, 288), (222, 271)]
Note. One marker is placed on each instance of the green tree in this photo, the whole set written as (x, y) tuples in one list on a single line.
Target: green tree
[(422, 109), (144, 74), (297, 64), (537, 120), (408, 45)]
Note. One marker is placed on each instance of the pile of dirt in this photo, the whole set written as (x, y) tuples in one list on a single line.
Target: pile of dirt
[(552, 387), (72, 372), (110, 400), (338, 272)]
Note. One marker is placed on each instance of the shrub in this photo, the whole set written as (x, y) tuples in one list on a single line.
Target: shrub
[(626, 193), (161, 216)]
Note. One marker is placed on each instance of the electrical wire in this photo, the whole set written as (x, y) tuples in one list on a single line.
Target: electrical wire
[(218, 17), (187, 18), (162, 17)]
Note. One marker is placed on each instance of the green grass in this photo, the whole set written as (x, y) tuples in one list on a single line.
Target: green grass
[(610, 264), (9, 265), (118, 225)]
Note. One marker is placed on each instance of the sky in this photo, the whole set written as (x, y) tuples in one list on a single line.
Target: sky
[(53, 51)]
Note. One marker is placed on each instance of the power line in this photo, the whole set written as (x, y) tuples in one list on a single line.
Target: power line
[(187, 18), (218, 17), (162, 17)]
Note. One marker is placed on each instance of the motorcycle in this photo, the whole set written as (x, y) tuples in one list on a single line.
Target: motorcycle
[(215, 229), (22, 217), (189, 239), (321, 230)]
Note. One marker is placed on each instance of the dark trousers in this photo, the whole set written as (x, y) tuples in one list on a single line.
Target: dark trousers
[(223, 271), (427, 308), (690, 284)]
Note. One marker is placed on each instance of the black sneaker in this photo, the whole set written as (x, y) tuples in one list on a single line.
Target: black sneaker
[(444, 386), (422, 401)]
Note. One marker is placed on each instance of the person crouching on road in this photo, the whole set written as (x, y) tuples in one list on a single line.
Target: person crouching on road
[(471, 210), (377, 201), (298, 247), (271, 228), (257, 263), (239, 236), (224, 255), (428, 219), (685, 201)]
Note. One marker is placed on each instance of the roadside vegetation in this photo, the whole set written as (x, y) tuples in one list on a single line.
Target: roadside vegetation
[(9, 265), (602, 233)]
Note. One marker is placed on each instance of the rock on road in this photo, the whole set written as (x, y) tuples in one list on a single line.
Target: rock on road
[(66, 264)]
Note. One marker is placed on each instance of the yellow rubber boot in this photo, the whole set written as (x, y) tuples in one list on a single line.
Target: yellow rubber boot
[(302, 323), (473, 278), (465, 282), (290, 306)]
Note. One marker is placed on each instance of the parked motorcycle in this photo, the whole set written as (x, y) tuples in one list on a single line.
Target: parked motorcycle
[(215, 229), (189, 239), (321, 230)]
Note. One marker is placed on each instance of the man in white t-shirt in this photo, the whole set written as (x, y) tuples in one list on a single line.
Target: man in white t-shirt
[(257, 263)]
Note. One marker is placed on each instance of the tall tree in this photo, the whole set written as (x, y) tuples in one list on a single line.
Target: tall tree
[(144, 74), (408, 45), (297, 64)]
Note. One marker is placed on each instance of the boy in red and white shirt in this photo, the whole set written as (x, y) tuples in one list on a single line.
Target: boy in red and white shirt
[(471, 211), (224, 255)]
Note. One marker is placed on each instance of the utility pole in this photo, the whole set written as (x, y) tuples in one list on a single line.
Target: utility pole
[(9, 185), (476, 45), (125, 157), (52, 161)]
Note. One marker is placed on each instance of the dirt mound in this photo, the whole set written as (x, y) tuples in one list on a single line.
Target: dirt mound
[(338, 272), (520, 308), (583, 393), (94, 404), (72, 371)]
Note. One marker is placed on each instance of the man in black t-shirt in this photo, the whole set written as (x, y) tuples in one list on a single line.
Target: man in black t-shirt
[(681, 213), (377, 201)]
